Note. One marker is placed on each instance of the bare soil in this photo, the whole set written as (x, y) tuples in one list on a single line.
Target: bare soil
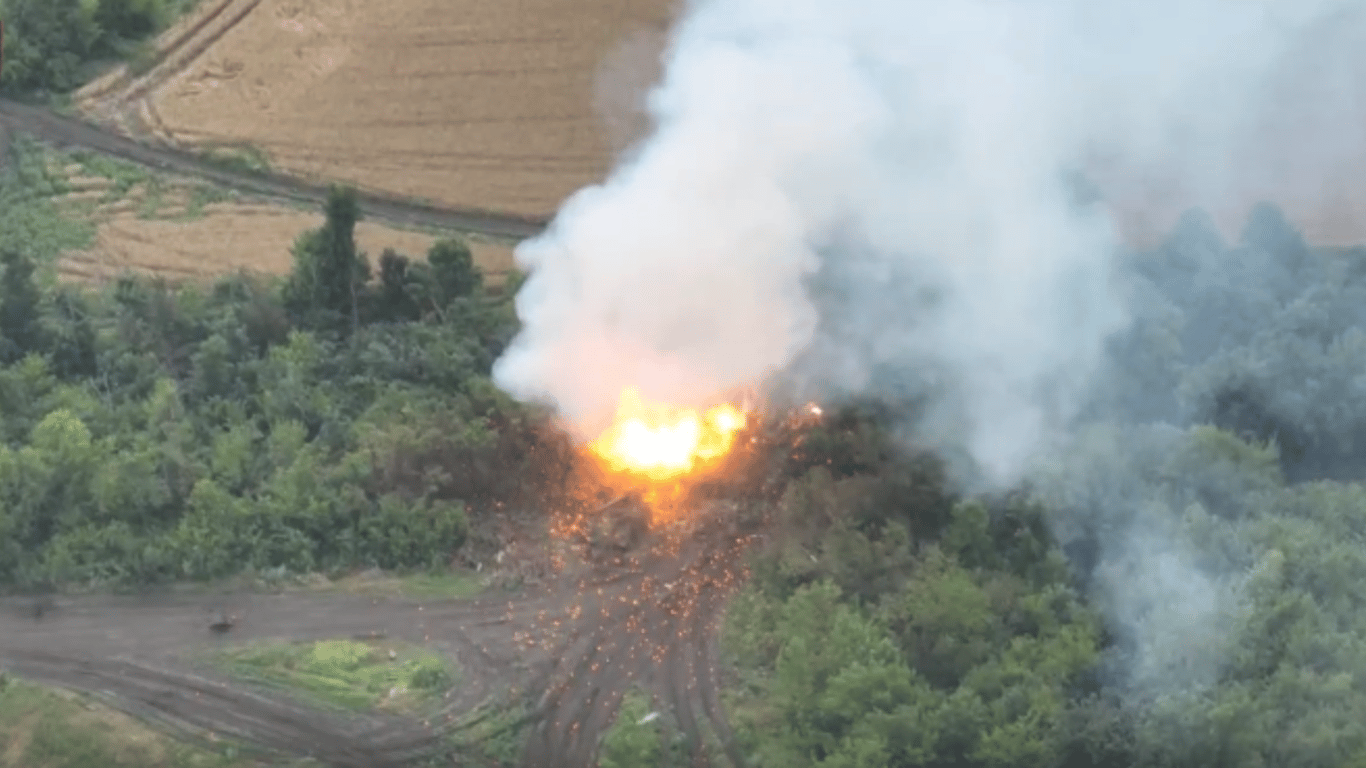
[(494, 105)]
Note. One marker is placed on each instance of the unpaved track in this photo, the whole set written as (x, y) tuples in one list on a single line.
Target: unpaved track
[(569, 651), (53, 128)]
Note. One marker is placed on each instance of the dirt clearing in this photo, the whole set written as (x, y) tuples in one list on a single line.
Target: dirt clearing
[(499, 105), (563, 653)]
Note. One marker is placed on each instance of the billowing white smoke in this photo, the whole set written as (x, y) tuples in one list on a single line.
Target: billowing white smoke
[(934, 134)]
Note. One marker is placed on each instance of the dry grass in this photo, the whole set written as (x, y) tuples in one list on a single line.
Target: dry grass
[(499, 105)]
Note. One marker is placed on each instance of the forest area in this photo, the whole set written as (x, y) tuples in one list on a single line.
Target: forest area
[(343, 418), (1180, 587)]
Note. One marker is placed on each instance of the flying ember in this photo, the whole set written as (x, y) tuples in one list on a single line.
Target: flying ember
[(664, 442)]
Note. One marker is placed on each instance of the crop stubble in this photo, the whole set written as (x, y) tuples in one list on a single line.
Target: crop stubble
[(490, 105)]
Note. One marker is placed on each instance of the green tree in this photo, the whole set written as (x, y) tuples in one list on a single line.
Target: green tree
[(130, 19), (46, 42), (396, 302), (71, 335), (453, 273), (329, 276), (638, 738), (20, 307)]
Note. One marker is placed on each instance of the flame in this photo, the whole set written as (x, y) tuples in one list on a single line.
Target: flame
[(663, 442)]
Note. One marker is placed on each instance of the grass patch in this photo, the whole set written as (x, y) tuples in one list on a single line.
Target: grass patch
[(47, 728), (153, 199), (62, 104), (143, 57), (495, 735), (200, 196), (125, 175), (244, 158), (346, 674), (30, 219), (455, 585)]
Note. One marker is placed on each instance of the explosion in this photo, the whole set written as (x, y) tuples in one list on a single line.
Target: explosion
[(661, 442)]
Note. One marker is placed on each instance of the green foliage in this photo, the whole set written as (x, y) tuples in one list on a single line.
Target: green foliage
[(978, 624), (46, 44), (31, 224), (20, 301), (51, 45), (346, 674), (155, 432), (131, 19), (858, 644), (401, 533), (41, 727), (637, 738), (453, 274), (329, 275)]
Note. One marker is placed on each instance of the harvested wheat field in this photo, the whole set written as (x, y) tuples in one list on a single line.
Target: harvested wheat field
[(180, 229), (227, 237), (491, 105)]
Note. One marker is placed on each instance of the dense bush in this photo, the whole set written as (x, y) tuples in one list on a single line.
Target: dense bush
[(864, 644), (50, 44)]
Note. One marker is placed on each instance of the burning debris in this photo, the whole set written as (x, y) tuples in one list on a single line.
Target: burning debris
[(618, 527)]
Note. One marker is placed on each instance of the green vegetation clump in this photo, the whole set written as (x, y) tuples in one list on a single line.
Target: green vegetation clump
[(639, 737), (239, 159), (155, 432), (889, 626), (55, 45), (346, 674), (30, 220)]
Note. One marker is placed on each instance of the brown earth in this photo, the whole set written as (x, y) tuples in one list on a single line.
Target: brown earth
[(495, 105), (566, 650)]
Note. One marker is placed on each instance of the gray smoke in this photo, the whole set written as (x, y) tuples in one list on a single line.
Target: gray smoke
[(929, 198)]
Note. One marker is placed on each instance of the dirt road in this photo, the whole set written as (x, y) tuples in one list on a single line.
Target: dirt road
[(51, 127), (568, 652)]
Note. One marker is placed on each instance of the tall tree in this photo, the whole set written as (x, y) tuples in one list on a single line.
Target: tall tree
[(453, 272), (329, 275)]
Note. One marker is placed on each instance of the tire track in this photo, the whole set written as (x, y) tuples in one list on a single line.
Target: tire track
[(568, 652), (50, 127)]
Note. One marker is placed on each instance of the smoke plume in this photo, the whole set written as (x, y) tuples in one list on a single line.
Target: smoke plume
[(931, 197), (936, 139)]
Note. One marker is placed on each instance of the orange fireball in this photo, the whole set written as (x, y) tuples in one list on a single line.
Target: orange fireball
[(663, 442)]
